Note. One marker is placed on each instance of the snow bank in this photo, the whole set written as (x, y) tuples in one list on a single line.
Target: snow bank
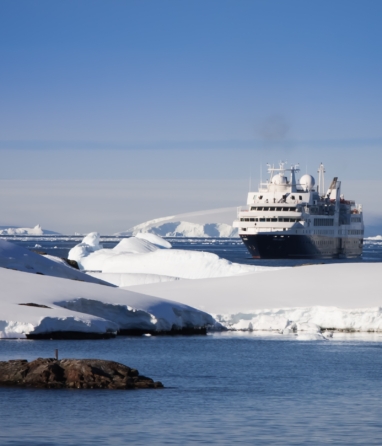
[(154, 239), (37, 230), (89, 244), (306, 319), (129, 280), (134, 245), (175, 263), (211, 223), (139, 256), (18, 258), (310, 298), (84, 307)]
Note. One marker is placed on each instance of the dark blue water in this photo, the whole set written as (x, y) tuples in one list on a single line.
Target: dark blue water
[(220, 389)]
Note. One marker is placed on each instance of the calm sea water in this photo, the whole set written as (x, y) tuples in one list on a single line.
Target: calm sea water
[(220, 389)]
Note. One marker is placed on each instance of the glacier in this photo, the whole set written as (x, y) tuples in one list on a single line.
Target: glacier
[(210, 223)]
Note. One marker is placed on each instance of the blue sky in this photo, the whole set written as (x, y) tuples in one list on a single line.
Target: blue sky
[(147, 73), (189, 89)]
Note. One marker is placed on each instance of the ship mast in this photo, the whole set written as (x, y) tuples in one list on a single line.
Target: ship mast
[(321, 180)]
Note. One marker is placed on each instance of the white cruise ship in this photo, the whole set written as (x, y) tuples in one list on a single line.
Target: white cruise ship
[(290, 218)]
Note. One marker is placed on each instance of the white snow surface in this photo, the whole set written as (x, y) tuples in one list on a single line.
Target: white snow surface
[(37, 230), (139, 256), (377, 238), (305, 299), (18, 258), (84, 307), (134, 245), (210, 223), (154, 239), (127, 280)]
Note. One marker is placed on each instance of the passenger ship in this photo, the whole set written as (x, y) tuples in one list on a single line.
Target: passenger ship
[(293, 219)]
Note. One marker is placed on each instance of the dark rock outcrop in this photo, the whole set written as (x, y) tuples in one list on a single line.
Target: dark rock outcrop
[(31, 304), (72, 373), (72, 263)]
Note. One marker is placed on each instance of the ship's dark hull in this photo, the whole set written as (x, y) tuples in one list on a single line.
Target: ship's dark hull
[(269, 246)]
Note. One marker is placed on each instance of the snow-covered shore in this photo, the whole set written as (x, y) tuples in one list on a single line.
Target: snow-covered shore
[(62, 305), (82, 305), (310, 298)]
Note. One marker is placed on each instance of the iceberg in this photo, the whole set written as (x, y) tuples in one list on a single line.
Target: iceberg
[(210, 223), (376, 238), (137, 255), (13, 230)]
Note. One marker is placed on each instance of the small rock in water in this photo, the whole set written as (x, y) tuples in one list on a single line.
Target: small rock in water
[(72, 373)]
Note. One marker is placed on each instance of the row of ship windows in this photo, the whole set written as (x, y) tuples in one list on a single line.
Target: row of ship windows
[(256, 208), (292, 197), (328, 232), (354, 232), (356, 219), (274, 219), (323, 222)]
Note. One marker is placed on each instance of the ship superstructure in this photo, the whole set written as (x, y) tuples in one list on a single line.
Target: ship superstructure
[(290, 218)]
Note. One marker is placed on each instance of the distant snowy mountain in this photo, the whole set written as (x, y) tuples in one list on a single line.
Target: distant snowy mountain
[(211, 223), (13, 230)]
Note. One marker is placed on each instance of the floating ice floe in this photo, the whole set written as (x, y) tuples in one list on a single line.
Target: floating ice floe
[(376, 238), (139, 256)]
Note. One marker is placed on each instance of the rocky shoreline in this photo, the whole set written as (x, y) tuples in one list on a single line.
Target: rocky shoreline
[(52, 373)]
